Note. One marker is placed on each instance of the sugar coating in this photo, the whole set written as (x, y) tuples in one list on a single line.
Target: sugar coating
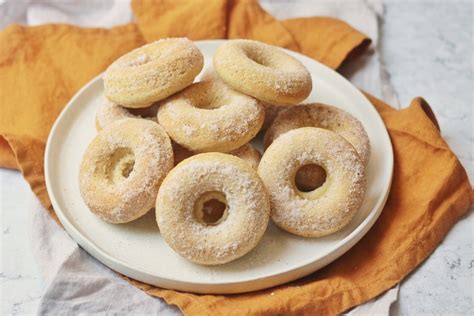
[(211, 116), (328, 208), (152, 72), (321, 116), (248, 208), (122, 201), (262, 71)]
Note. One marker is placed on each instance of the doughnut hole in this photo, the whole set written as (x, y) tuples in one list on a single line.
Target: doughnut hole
[(310, 177), (211, 208), (263, 59), (258, 57), (119, 165), (209, 101), (138, 59), (310, 180)]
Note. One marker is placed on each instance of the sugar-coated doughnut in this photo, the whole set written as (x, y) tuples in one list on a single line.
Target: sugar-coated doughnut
[(152, 72), (204, 237), (246, 152), (110, 112), (263, 71), (123, 167), (271, 111), (211, 116), (322, 116), (326, 209)]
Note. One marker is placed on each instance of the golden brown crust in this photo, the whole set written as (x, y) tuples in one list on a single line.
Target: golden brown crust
[(247, 210), (321, 116), (123, 167), (210, 116), (152, 72), (328, 208), (262, 71)]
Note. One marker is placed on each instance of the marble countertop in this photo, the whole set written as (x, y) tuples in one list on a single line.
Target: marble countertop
[(427, 48)]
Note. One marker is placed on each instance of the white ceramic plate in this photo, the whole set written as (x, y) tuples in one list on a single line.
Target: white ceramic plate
[(137, 250)]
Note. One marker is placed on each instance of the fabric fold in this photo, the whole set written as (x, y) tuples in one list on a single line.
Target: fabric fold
[(42, 67), (412, 224), (248, 20), (330, 41), (197, 19)]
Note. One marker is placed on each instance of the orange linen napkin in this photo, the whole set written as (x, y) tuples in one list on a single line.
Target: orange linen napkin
[(42, 67)]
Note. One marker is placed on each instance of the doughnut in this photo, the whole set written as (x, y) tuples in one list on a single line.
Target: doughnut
[(152, 72), (246, 152), (202, 182), (326, 209), (211, 116), (271, 111), (110, 112), (263, 71), (322, 116), (122, 169)]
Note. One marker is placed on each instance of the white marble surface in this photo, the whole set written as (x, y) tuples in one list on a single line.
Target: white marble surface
[(427, 48)]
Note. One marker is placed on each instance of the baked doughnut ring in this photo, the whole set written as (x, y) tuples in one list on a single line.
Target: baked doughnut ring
[(152, 72), (246, 152), (263, 71), (211, 116), (191, 188), (271, 111), (326, 209), (322, 116), (110, 112), (122, 169)]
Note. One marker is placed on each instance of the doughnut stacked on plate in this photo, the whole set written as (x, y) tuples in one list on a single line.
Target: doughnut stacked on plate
[(183, 148)]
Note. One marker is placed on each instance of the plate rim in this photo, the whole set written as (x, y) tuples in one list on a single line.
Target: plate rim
[(251, 284)]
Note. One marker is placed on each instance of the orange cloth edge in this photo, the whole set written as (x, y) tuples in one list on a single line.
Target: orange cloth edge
[(321, 43), (7, 156), (191, 306), (53, 86), (23, 149)]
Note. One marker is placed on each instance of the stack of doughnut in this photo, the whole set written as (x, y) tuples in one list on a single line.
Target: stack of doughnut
[(183, 147)]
